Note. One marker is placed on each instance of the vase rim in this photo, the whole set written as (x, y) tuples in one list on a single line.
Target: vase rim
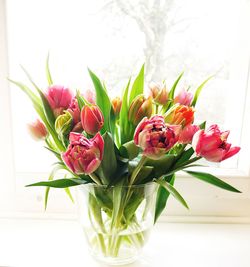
[(114, 186)]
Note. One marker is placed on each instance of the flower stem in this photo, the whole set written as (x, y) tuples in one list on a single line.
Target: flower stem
[(95, 178), (137, 169)]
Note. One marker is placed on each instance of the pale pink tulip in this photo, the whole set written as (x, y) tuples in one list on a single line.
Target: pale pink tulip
[(186, 134), (184, 98), (37, 130), (212, 144)]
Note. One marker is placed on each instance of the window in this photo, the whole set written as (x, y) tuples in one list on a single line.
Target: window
[(114, 38)]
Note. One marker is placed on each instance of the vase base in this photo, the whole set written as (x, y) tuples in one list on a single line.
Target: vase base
[(116, 261)]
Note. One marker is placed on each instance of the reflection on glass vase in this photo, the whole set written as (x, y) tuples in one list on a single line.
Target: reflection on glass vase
[(117, 220)]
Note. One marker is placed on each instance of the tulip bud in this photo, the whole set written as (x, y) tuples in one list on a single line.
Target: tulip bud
[(92, 119), (140, 108), (117, 104), (184, 98), (63, 124), (180, 115), (159, 93), (37, 130)]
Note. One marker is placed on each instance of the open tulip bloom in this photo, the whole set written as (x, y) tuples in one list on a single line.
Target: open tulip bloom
[(130, 140)]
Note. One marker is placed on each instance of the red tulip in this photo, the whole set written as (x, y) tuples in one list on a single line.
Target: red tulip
[(92, 119), (37, 130), (186, 134), (212, 144), (59, 98), (154, 137), (184, 98), (83, 156)]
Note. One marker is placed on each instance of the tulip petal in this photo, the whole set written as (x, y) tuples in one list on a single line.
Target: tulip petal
[(232, 151)]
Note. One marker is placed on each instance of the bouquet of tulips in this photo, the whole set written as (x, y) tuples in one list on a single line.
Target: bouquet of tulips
[(140, 138)]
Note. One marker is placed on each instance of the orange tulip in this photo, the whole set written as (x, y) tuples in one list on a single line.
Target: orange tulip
[(180, 115)]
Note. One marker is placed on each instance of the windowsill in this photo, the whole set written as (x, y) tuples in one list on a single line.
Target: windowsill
[(61, 243)]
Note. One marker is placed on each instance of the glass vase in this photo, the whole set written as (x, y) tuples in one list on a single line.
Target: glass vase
[(116, 220)]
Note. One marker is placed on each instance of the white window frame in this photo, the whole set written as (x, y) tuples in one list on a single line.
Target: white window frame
[(208, 204)]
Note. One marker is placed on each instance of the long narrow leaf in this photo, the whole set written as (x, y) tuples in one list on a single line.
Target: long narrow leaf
[(172, 93), (172, 90), (48, 74), (60, 183), (47, 109), (138, 85), (198, 91), (102, 100), (211, 179), (124, 124), (172, 191), (162, 197)]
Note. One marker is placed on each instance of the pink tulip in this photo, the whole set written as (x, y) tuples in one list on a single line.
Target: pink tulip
[(212, 144), (186, 134), (92, 119), (74, 110), (59, 98), (37, 130), (155, 137), (83, 156), (89, 95), (184, 98)]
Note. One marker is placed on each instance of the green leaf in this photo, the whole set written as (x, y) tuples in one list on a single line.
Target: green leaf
[(96, 211), (172, 90), (51, 178), (162, 197), (46, 106), (185, 156), (203, 125), (211, 179), (124, 123), (129, 150), (67, 190), (138, 85), (108, 165), (118, 197), (60, 183), (48, 74), (80, 100), (198, 91), (103, 101), (39, 109), (33, 97), (172, 191), (162, 165)]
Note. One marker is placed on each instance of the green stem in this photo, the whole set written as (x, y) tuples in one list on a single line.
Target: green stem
[(137, 169), (156, 108), (95, 178)]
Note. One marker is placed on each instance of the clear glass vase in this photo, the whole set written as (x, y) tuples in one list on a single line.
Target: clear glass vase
[(117, 220)]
